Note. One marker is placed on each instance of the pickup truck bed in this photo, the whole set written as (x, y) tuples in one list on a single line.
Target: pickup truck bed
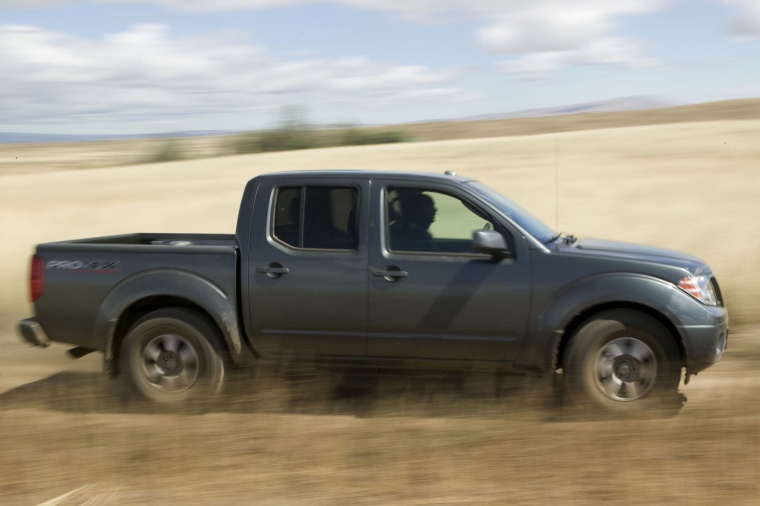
[(145, 239), (87, 278)]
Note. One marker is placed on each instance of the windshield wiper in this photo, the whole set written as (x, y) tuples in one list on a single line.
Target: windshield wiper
[(567, 239)]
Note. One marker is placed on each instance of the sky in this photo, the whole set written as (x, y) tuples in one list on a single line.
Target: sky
[(152, 66)]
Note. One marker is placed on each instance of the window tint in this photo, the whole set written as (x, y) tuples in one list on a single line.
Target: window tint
[(421, 220), (316, 217)]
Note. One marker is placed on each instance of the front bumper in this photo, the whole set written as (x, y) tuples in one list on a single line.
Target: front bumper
[(31, 332), (706, 343)]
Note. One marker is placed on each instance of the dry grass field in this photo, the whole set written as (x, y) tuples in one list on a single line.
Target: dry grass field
[(413, 442), (689, 186)]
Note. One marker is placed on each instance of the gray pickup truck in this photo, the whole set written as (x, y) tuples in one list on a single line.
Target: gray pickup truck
[(387, 270)]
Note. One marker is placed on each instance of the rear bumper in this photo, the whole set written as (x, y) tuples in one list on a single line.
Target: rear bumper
[(31, 332)]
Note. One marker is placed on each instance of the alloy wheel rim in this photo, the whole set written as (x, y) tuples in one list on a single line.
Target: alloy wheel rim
[(625, 369), (170, 362)]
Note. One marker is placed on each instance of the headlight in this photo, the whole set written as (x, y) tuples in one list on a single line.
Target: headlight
[(701, 288)]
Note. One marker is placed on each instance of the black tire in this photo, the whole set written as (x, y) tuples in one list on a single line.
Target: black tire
[(172, 356), (623, 361)]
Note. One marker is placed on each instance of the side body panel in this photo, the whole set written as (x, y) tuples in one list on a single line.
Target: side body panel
[(90, 285), (568, 286), (304, 301), (447, 306), (158, 285)]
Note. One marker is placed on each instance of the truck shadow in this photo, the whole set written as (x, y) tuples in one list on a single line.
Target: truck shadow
[(346, 393), (69, 391), (371, 393)]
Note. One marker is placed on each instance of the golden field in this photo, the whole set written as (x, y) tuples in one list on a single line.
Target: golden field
[(685, 186), (690, 186)]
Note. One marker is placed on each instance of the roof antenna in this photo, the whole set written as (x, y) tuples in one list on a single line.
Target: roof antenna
[(556, 184)]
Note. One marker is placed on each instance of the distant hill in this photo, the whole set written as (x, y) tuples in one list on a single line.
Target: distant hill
[(614, 105), (536, 119), (24, 153), (23, 138), (473, 128)]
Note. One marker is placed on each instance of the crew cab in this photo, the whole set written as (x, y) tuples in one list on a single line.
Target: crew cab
[(389, 270)]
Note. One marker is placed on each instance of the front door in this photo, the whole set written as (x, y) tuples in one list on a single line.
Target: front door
[(431, 296), (308, 273)]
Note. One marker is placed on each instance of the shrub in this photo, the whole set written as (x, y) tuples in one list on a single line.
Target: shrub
[(356, 137), (245, 144), (286, 139), (169, 151), (292, 137)]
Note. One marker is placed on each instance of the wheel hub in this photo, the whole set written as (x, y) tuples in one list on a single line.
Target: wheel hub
[(170, 361), (627, 369)]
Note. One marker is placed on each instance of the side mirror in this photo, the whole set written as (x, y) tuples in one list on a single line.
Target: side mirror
[(490, 242)]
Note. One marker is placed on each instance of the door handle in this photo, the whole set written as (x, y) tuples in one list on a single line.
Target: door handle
[(273, 270), (391, 274)]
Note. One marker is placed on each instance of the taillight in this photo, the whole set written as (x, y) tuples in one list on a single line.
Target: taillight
[(37, 278)]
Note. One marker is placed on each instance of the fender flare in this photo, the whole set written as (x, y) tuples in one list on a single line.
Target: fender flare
[(177, 284)]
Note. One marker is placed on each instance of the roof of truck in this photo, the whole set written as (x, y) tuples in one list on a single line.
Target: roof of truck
[(369, 174)]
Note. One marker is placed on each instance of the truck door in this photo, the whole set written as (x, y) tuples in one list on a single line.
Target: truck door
[(307, 276), (431, 296)]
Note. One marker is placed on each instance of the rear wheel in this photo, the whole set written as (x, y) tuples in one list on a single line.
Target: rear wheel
[(623, 361), (172, 356)]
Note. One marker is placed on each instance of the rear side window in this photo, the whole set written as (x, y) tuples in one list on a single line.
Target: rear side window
[(316, 217)]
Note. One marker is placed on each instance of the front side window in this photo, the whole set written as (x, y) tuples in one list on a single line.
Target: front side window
[(431, 221), (316, 217)]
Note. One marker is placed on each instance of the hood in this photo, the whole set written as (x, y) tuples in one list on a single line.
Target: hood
[(637, 252)]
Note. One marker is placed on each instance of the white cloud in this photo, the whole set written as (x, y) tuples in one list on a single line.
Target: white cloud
[(511, 27), (547, 35), (606, 51), (148, 72), (614, 50), (746, 21), (421, 8)]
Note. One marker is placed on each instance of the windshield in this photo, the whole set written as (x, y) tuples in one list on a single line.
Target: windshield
[(521, 217)]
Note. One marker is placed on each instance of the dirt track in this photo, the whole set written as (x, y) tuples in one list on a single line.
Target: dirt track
[(405, 441)]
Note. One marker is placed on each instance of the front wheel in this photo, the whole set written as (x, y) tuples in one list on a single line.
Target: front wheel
[(622, 361), (172, 356)]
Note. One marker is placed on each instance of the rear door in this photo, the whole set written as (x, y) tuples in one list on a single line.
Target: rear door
[(431, 296), (308, 273)]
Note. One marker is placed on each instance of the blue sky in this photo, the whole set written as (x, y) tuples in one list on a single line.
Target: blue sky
[(128, 66)]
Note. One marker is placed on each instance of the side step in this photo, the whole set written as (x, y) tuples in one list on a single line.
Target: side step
[(79, 352)]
